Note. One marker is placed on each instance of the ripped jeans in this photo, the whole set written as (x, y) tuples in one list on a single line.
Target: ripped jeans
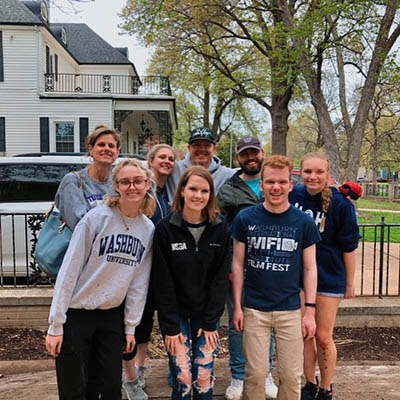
[(193, 368)]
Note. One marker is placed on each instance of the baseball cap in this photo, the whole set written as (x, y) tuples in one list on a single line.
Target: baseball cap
[(201, 134), (250, 142)]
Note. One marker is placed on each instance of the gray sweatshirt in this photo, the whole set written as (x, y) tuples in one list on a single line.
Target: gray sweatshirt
[(219, 173), (104, 264), (74, 203)]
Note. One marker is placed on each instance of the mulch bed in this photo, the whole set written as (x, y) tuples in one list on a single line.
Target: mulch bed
[(361, 344)]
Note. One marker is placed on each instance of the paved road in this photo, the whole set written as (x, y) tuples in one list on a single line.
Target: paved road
[(373, 381)]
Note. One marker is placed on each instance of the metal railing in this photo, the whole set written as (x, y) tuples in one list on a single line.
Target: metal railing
[(377, 271), (107, 84), (18, 236)]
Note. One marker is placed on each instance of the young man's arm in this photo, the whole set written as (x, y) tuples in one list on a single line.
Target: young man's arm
[(239, 251), (310, 291)]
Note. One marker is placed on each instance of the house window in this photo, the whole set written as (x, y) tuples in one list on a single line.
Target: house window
[(1, 58), (65, 136)]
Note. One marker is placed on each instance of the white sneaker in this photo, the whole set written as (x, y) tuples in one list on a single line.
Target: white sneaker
[(271, 391), (234, 390)]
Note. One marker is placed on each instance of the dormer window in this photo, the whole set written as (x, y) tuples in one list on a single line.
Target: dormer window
[(44, 14), (64, 36)]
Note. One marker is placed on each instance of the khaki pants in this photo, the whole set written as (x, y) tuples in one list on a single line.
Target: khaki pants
[(289, 352)]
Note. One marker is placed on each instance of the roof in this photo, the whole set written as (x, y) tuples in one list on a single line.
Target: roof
[(15, 12), (87, 47), (84, 45)]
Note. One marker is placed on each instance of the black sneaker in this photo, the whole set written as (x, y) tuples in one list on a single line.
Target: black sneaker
[(309, 391), (324, 394)]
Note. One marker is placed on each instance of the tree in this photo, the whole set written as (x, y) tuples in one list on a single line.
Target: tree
[(262, 46), (243, 40), (204, 96), (304, 136), (382, 138), (359, 34)]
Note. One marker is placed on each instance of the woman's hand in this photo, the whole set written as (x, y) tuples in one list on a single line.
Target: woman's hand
[(129, 343), (53, 344), (350, 292), (172, 343), (211, 338)]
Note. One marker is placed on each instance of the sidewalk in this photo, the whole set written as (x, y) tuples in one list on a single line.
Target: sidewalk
[(381, 211), (368, 381)]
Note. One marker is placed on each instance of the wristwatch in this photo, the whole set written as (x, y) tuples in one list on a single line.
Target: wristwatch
[(313, 305)]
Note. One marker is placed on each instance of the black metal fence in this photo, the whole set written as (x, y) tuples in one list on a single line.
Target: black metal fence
[(107, 84), (378, 269), (377, 272)]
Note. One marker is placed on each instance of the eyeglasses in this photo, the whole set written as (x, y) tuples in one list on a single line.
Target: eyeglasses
[(138, 184)]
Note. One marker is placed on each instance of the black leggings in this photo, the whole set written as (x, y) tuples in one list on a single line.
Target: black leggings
[(92, 339)]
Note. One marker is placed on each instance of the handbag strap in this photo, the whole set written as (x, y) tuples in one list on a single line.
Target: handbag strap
[(47, 215), (63, 223), (80, 180)]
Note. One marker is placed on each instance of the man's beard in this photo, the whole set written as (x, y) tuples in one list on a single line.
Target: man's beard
[(251, 170)]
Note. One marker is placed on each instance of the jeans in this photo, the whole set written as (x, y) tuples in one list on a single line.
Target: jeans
[(237, 362), (193, 368)]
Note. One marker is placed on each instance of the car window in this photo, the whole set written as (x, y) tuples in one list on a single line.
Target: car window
[(32, 182), (297, 179)]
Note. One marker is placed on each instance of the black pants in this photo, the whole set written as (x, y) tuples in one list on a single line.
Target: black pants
[(145, 327), (92, 339)]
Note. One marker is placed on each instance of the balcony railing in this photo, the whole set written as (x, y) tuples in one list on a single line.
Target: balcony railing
[(112, 84)]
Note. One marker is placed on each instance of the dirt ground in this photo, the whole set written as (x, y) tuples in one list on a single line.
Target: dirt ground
[(353, 344), (368, 366)]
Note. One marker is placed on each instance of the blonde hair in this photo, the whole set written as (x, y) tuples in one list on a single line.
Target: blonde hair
[(277, 161), (148, 205), (211, 210), (326, 193), (151, 155), (101, 130)]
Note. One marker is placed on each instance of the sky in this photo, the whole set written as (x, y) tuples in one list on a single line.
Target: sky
[(102, 17)]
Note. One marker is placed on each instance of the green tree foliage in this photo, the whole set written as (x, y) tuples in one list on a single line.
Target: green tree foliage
[(382, 137), (350, 38), (243, 40), (263, 46)]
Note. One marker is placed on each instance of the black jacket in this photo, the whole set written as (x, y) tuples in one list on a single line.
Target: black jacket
[(234, 196), (189, 280)]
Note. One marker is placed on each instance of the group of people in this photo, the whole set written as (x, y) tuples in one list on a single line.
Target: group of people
[(183, 238)]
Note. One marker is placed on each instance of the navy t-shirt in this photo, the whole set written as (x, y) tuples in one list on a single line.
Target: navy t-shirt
[(341, 234), (273, 255)]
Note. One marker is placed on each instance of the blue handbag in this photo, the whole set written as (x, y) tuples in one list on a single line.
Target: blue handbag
[(52, 243), (54, 239)]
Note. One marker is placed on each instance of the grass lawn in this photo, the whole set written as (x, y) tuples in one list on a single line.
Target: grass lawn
[(378, 204), (368, 217)]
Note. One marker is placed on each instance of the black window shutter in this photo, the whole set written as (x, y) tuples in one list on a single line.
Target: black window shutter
[(56, 66), (83, 132), (48, 71), (44, 135), (2, 134), (1, 58)]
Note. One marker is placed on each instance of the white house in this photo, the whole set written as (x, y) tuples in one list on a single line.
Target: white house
[(59, 81)]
